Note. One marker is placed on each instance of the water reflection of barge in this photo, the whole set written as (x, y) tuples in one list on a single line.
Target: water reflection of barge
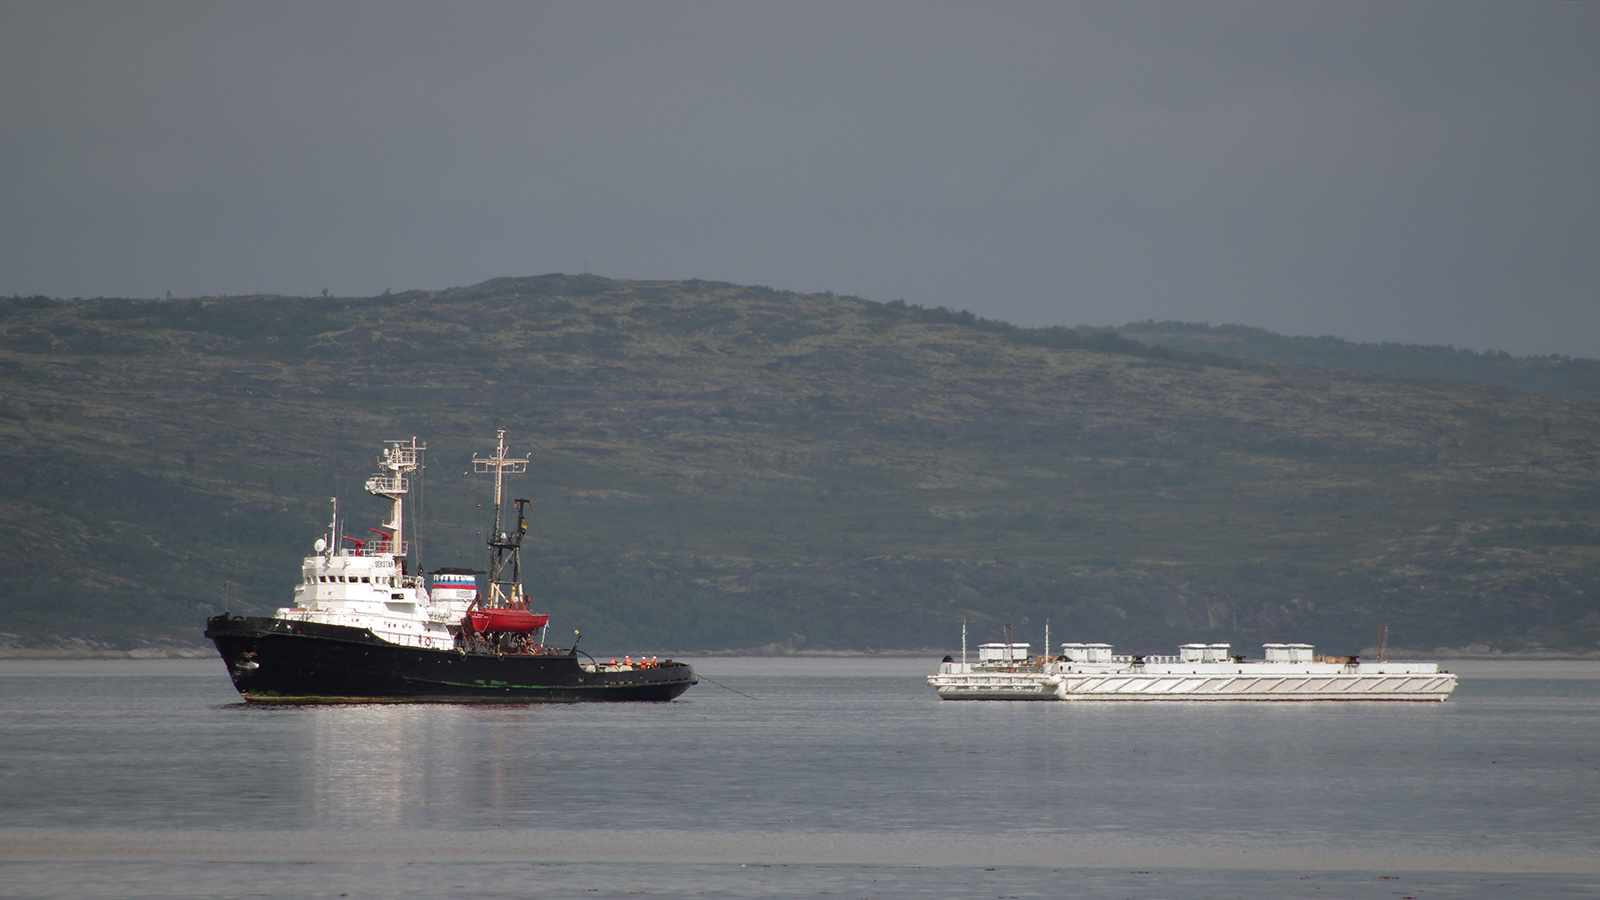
[(363, 629), (1205, 672)]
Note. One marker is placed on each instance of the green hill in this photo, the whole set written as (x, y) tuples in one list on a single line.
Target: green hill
[(718, 466)]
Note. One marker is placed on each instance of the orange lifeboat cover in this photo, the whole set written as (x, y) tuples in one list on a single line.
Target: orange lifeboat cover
[(519, 621)]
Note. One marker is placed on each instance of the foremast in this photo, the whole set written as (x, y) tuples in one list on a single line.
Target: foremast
[(505, 547), (400, 458)]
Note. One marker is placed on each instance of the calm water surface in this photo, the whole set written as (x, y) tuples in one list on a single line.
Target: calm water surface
[(833, 778)]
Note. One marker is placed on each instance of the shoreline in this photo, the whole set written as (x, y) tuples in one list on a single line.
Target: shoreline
[(777, 848)]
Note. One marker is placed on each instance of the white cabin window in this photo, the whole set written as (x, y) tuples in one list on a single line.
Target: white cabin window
[(366, 579)]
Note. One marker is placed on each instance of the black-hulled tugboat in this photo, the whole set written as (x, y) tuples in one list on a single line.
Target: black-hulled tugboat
[(362, 628)]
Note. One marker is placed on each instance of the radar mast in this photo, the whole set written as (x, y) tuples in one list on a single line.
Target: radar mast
[(504, 547)]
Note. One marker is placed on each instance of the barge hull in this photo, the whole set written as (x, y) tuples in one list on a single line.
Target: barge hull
[(1398, 687)]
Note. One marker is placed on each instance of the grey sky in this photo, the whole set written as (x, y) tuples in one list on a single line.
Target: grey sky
[(1384, 171)]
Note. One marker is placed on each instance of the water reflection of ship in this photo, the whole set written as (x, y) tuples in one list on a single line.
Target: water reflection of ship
[(364, 765), (364, 628), (389, 766)]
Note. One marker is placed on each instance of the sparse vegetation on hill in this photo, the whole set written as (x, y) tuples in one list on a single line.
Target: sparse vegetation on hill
[(718, 466)]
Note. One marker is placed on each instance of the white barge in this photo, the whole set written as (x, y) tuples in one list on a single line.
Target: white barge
[(1004, 671)]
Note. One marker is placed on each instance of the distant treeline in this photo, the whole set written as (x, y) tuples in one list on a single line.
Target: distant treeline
[(1060, 337), (1573, 378)]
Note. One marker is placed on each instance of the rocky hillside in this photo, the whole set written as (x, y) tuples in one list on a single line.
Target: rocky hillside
[(718, 466)]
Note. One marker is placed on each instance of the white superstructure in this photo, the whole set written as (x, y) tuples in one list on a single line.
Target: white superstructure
[(365, 585), (1004, 671)]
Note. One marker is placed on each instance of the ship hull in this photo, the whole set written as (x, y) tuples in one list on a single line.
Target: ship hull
[(282, 661)]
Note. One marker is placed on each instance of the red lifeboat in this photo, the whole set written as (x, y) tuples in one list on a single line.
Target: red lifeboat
[(515, 621)]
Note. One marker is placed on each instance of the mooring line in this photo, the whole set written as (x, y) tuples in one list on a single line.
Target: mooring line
[(723, 686)]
